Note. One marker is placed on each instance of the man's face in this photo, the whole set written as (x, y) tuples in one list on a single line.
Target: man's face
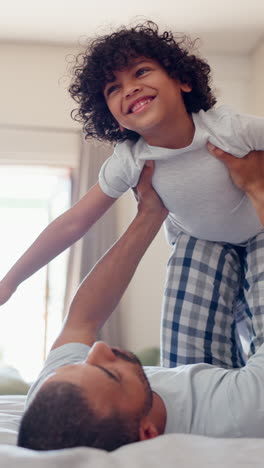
[(109, 378), (144, 98)]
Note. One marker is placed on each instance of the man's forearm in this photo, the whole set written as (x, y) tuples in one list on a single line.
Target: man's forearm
[(103, 288)]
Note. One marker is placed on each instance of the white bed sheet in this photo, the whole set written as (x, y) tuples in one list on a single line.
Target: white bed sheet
[(168, 451), (11, 409)]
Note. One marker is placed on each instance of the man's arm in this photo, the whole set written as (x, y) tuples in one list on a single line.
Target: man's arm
[(102, 289), (247, 174)]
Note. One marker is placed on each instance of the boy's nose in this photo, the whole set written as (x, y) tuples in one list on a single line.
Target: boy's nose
[(100, 352), (131, 89)]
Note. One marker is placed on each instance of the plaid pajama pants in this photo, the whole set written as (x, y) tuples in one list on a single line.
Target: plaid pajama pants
[(214, 293)]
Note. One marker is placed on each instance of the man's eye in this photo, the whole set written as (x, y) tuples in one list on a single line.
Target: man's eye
[(141, 71)]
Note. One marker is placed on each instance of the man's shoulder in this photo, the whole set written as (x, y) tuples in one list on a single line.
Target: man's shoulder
[(160, 374), (67, 352)]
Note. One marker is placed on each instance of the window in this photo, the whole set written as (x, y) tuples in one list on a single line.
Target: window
[(30, 198)]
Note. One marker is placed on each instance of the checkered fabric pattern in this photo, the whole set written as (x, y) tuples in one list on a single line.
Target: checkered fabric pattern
[(210, 289), (253, 287)]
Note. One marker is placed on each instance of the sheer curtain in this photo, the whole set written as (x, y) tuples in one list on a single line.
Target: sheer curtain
[(85, 253)]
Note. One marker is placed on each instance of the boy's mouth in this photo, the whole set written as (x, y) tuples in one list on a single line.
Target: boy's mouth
[(138, 105)]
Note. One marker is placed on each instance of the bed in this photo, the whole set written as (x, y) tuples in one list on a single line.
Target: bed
[(168, 451)]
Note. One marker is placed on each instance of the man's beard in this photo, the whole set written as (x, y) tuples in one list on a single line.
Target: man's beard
[(128, 356)]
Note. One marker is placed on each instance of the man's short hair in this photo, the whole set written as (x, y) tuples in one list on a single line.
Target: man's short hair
[(61, 416)]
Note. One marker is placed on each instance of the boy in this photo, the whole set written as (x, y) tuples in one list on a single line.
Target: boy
[(149, 94)]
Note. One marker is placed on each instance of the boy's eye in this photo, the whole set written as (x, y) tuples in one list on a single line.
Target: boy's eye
[(142, 71), (111, 89)]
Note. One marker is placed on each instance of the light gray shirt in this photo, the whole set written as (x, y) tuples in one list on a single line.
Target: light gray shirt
[(195, 187), (199, 398)]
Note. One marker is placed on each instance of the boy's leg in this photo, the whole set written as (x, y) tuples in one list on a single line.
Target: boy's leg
[(198, 323), (254, 290)]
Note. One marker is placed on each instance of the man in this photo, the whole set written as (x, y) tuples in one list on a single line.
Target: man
[(89, 394)]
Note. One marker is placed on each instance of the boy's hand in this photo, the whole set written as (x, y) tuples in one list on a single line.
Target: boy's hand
[(148, 200), (247, 173), (5, 292)]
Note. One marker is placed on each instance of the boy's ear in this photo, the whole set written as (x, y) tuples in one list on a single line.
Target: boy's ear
[(186, 88)]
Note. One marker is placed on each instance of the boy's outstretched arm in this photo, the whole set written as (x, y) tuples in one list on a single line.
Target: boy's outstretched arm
[(247, 174), (58, 236), (102, 289)]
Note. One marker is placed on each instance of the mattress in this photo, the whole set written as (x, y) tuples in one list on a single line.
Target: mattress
[(167, 451)]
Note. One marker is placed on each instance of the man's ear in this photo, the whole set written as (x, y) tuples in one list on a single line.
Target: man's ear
[(147, 430)]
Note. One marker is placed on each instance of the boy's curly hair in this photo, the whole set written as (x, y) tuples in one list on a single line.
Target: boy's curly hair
[(106, 54)]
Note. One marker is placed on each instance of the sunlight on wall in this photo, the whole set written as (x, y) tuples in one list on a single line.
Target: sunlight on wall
[(29, 199)]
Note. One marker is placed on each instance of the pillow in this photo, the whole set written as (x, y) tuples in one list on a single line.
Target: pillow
[(11, 410), (149, 356), (11, 382)]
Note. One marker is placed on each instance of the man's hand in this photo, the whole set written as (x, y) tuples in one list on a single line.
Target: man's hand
[(247, 174), (148, 200)]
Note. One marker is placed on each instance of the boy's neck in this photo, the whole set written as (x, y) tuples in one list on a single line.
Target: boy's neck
[(175, 135)]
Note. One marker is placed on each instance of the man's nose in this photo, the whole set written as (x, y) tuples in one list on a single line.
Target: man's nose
[(100, 352)]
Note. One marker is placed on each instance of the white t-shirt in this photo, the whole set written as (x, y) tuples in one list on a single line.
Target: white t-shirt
[(195, 187), (199, 398)]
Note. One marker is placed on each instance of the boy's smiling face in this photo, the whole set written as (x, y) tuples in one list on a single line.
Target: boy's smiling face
[(144, 98)]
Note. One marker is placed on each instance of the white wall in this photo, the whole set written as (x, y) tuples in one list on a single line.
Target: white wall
[(33, 85), (257, 69), (232, 80), (141, 306), (35, 107)]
